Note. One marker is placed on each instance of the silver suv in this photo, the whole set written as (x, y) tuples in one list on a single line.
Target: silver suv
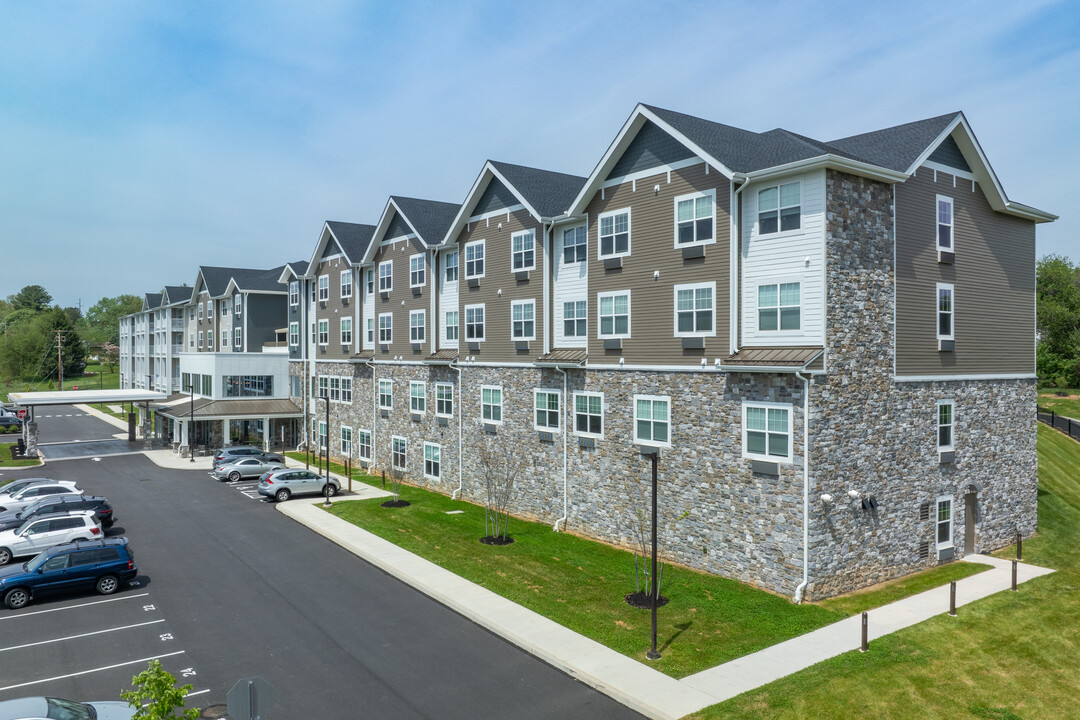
[(283, 484)]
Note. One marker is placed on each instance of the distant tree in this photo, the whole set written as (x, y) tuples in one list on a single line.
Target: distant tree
[(110, 356), (102, 321), (74, 315), (31, 297), (1058, 321), (156, 696)]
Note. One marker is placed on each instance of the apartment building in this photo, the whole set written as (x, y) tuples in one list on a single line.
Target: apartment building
[(151, 341), (828, 347)]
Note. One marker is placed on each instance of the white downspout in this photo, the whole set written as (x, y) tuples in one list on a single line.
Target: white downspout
[(734, 269), (460, 408), (374, 415), (565, 420), (806, 489)]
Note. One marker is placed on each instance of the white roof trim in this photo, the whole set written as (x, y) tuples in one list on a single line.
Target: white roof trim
[(384, 223), (462, 217)]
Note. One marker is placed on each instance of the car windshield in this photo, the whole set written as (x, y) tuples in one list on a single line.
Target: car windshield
[(60, 709), (36, 562)]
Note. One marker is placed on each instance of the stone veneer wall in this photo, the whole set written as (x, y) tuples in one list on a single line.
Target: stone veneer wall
[(871, 434)]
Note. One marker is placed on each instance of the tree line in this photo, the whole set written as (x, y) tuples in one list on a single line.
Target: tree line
[(1057, 353), (32, 327)]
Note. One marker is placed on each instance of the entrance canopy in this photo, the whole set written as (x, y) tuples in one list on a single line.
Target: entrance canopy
[(69, 397)]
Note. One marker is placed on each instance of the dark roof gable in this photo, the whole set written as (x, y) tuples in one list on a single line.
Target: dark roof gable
[(353, 238), (897, 147), (430, 218), (550, 193)]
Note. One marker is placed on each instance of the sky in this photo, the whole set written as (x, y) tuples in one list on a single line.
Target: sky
[(139, 140)]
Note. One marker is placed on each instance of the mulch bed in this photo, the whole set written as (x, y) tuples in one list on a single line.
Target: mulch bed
[(643, 600), (396, 503), (497, 540)]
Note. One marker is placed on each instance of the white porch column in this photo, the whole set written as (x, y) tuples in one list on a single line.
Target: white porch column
[(266, 434), (225, 432)]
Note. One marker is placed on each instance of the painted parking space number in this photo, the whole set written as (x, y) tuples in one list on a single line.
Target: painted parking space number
[(166, 636), (148, 608)]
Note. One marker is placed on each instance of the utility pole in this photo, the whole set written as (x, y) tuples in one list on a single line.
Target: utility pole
[(59, 358)]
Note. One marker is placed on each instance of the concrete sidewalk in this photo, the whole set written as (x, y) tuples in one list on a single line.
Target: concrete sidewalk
[(632, 683)]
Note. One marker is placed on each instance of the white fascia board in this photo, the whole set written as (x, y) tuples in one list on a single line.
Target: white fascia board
[(313, 263), (622, 141), (287, 275), (380, 230), (833, 162), (1028, 212), (478, 187)]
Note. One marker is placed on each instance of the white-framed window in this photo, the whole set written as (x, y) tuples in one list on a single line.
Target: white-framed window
[(474, 259), (210, 309), (444, 399), (417, 396), (346, 283), (209, 339), (191, 313), (652, 420), (386, 276), (324, 386), (945, 418), (294, 334), (363, 444), (346, 390), (324, 288), (945, 330), (191, 340), (238, 337), (417, 271), (575, 319), (225, 307), (523, 251), (370, 272), (370, 330), (474, 323), (614, 234), (575, 245), (398, 452), (452, 325), (767, 431), (491, 403), (238, 304), (779, 307), (335, 389), (523, 319), (324, 332), (695, 314), (695, 219), (433, 461), (311, 290), (943, 521), (417, 326), (779, 208), (450, 265), (224, 339), (546, 409), (614, 314), (201, 312), (294, 293), (346, 441), (346, 331), (386, 394), (944, 223), (201, 339), (322, 436), (589, 414), (386, 328)]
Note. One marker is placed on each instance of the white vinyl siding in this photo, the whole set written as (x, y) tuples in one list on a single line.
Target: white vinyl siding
[(448, 299), (368, 305), (793, 256), (571, 285)]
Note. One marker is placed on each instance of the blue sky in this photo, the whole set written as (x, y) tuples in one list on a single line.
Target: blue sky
[(139, 140)]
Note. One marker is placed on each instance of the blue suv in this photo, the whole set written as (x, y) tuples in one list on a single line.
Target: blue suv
[(104, 565)]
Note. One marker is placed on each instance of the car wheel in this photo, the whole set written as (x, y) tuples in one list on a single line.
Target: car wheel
[(5, 556), (234, 476), (108, 584), (331, 492), (282, 495), (17, 598)]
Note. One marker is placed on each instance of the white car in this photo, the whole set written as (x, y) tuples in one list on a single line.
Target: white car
[(42, 708), (41, 533), (16, 485), (21, 498)]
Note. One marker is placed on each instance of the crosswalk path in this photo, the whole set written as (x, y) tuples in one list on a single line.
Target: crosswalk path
[(64, 415)]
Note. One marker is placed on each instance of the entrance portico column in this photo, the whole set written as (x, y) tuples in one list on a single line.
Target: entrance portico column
[(226, 438), (266, 434)]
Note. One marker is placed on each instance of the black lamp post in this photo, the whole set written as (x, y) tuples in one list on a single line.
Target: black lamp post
[(191, 420), (654, 654), (326, 451)]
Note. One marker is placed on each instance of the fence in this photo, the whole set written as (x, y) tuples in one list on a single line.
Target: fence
[(1060, 422)]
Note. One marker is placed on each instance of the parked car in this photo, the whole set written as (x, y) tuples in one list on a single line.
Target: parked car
[(104, 565), (252, 466), (20, 499), (9, 423), (16, 485), (60, 504), (42, 533), (227, 455), (45, 708), (283, 484)]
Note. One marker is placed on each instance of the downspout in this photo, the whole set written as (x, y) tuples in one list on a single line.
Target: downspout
[(374, 415), (733, 272), (460, 481), (806, 490), (565, 420)]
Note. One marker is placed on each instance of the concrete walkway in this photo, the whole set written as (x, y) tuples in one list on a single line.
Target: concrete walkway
[(632, 683)]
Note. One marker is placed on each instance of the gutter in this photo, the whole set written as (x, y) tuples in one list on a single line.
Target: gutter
[(460, 414), (565, 422), (806, 490)]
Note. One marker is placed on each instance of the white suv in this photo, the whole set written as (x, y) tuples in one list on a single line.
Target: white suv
[(21, 498), (39, 534)]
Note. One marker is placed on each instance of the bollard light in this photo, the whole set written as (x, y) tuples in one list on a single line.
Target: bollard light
[(952, 598), (865, 633)]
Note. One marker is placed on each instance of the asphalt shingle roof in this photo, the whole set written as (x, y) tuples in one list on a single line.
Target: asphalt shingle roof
[(352, 237), (217, 279), (899, 146), (430, 218), (153, 300), (550, 193), (178, 293)]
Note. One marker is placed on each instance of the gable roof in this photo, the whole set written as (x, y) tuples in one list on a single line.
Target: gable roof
[(151, 301), (219, 281), (173, 294), (545, 194), (889, 155), (352, 238), (428, 219)]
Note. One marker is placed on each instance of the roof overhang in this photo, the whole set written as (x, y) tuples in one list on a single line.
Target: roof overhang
[(772, 359), (383, 226), (325, 236), (488, 172), (68, 397)]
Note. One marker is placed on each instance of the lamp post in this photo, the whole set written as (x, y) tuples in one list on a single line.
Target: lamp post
[(191, 420), (653, 653), (326, 488)]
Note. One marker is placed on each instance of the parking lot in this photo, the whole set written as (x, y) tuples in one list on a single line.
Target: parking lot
[(228, 588)]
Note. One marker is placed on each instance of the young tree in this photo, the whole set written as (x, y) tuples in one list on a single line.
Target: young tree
[(156, 687), (500, 465), (110, 356), (1058, 321)]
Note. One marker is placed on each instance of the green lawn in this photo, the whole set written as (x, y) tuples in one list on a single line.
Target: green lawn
[(1011, 656), (6, 461), (1068, 405), (582, 584)]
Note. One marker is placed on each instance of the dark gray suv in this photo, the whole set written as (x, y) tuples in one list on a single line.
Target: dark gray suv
[(60, 505)]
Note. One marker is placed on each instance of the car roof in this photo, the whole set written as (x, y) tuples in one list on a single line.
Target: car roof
[(71, 513), (84, 544), (63, 499)]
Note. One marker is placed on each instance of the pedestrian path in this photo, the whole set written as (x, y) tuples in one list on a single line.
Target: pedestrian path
[(632, 683)]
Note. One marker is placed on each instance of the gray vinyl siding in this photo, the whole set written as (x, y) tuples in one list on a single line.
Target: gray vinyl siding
[(993, 274), (650, 148), (264, 314), (652, 246), (948, 153), (402, 293), (331, 249), (397, 228), (334, 309), (496, 197), (499, 345)]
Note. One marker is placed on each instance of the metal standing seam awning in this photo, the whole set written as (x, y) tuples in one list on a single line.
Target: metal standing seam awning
[(181, 407)]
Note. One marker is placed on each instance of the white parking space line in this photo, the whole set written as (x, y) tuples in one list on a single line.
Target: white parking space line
[(94, 670), (73, 607), (76, 637)]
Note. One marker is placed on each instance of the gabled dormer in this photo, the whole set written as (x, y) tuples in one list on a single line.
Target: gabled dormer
[(334, 300)]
